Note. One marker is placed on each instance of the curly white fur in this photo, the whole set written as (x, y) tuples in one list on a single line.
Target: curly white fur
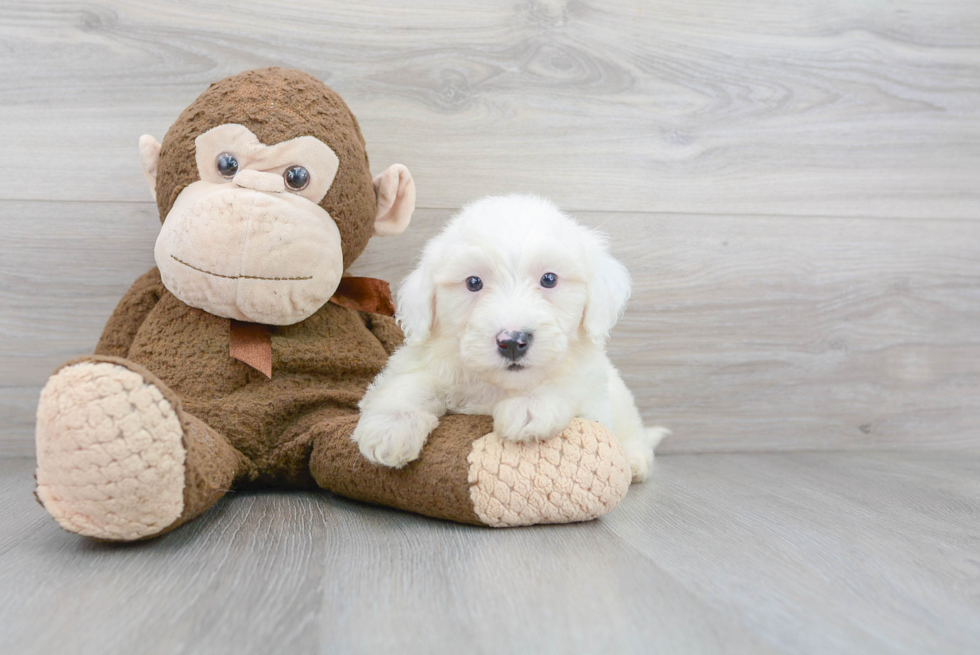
[(452, 362)]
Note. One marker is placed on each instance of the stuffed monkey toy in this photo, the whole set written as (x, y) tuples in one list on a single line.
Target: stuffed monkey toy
[(239, 360)]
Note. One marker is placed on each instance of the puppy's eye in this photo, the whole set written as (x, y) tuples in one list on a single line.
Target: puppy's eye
[(227, 165), (549, 280), (474, 283), (297, 178)]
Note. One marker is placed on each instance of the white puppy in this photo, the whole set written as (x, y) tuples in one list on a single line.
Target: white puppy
[(506, 315)]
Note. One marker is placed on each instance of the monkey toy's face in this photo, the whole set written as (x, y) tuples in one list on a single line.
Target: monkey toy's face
[(249, 239)]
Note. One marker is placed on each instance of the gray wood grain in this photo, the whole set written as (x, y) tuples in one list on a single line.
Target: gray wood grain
[(791, 108), (747, 333), (822, 552), (307, 572), (792, 553)]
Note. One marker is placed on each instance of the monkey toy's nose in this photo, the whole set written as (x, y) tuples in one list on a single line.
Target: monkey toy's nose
[(514, 345), (260, 181)]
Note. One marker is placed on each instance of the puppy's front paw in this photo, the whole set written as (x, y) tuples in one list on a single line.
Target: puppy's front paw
[(528, 419), (393, 438)]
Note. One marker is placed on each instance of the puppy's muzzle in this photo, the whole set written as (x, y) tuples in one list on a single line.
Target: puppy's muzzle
[(513, 345)]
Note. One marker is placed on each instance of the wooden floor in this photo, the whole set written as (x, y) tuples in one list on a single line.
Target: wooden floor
[(753, 553)]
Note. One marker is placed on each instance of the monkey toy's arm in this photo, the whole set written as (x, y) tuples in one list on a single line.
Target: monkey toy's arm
[(132, 310)]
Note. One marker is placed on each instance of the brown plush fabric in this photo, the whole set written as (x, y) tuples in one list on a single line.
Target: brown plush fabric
[(120, 330), (210, 470), (325, 361), (386, 329), (435, 485), (242, 429), (277, 105)]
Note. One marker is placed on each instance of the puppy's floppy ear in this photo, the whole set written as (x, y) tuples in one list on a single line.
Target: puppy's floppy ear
[(609, 289), (416, 304)]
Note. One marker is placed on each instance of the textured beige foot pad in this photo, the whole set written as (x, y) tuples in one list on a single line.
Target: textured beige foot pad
[(577, 476), (110, 459)]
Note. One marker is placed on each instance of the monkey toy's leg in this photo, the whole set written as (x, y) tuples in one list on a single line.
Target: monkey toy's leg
[(467, 474), (118, 458)]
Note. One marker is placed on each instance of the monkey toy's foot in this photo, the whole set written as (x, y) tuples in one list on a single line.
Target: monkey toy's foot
[(579, 475), (110, 457)]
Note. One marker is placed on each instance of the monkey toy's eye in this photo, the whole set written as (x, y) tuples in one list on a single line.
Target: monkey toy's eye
[(227, 165), (549, 280), (297, 178), (474, 283)]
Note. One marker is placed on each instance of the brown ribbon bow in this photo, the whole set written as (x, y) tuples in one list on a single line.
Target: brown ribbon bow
[(251, 343)]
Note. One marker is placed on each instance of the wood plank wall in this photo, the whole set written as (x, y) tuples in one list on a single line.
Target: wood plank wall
[(795, 186)]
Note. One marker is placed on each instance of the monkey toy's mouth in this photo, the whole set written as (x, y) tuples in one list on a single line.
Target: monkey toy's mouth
[(241, 277), (278, 268)]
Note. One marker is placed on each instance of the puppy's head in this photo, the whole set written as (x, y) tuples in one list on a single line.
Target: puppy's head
[(511, 284)]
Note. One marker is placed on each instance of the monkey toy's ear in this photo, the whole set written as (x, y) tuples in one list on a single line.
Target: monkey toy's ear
[(149, 156), (395, 190)]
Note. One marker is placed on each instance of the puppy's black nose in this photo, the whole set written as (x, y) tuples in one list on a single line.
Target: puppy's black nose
[(514, 345)]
